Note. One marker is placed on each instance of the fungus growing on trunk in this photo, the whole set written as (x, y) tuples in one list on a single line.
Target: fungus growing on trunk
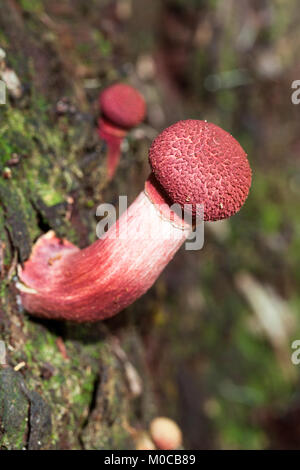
[(122, 108), (193, 162)]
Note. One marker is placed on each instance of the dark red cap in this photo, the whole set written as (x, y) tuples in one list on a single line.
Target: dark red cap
[(123, 105), (197, 162)]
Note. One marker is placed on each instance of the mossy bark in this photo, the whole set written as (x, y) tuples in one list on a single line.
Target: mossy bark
[(63, 386)]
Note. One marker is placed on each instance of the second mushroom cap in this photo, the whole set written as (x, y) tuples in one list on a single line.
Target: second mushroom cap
[(123, 105)]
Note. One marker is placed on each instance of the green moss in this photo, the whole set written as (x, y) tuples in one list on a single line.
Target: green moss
[(102, 43), (47, 164), (70, 388), (112, 406), (13, 412), (70, 385)]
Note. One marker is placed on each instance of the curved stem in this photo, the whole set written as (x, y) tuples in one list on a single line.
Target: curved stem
[(60, 281)]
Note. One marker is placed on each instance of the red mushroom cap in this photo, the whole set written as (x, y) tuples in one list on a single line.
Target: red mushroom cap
[(197, 162), (123, 105)]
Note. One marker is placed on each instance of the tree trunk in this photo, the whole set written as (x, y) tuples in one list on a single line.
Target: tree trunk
[(62, 386)]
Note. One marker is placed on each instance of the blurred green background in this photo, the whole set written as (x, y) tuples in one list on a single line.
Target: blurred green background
[(225, 317)]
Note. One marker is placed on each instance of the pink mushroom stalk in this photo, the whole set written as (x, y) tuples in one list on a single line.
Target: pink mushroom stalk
[(122, 108), (192, 161)]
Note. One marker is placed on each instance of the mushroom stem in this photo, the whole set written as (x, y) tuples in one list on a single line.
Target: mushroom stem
[(122, 108), (113, 137), (59, 281)]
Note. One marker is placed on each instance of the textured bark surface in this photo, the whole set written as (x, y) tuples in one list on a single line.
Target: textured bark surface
[(64, 386)]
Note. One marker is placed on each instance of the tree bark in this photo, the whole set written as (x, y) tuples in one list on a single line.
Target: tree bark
[(62, 386)]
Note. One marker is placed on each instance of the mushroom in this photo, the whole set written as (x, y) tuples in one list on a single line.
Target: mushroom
[(191, 161), (165, 433), (144, 442), (122, 107)]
